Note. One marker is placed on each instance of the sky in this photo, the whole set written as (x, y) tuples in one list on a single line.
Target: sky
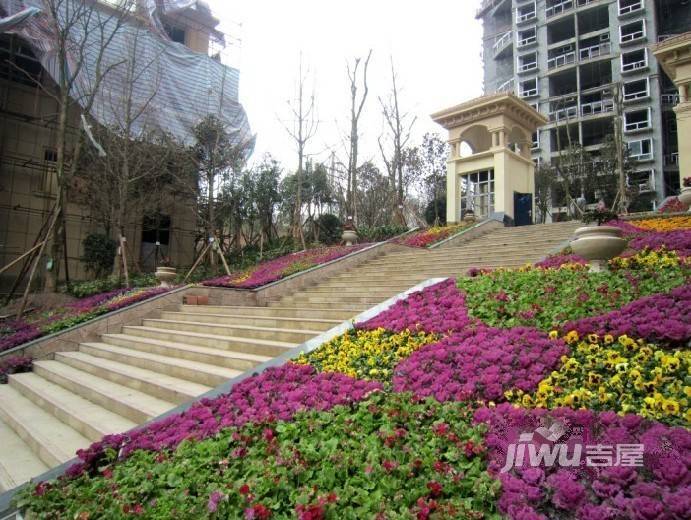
[(435, 47)]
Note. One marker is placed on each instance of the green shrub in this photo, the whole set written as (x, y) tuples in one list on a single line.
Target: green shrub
[(380, 233), (440, 204), (330, 229), (99, 252)]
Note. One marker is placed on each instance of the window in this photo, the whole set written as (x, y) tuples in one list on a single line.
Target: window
[(477, 193), (643, 181), (50, 155), (527, 62), (527, 37), (526, 12), (637, 120), (632, 32), (562, 56), (641, 150), (536, 141), (175, 33), (630, 6), (639, 89), (529, 88), (553, 8), (634, 60)]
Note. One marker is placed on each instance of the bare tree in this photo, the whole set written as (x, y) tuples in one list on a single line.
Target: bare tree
[(400, 125), (304, 128), (355, 113), (80, 34)]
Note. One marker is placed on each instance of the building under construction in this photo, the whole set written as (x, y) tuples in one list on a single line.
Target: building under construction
[(566, 57), (189, 81)]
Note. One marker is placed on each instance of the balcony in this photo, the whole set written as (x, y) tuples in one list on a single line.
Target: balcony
[(559, 8), (528, 89), (635, 90), (527, 63), (632, 32), (626, 7), (526, 38), (634, 61), (526, 13), (670, 99), (595, 51), (637, 120), (561, 61), (570, 112), (486, 6), (641, 150), (508, 86), (643, 180), (596, 108), (672, 159), (502, 43)]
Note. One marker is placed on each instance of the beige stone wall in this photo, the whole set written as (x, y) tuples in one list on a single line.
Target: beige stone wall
[(27, 189)]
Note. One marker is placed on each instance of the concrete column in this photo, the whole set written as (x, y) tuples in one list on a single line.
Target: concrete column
[(453, 205)]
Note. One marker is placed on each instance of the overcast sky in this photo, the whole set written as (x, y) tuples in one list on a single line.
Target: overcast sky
[(435, 46)]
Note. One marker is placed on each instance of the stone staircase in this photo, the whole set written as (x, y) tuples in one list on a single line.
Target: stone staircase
[(125, 379)]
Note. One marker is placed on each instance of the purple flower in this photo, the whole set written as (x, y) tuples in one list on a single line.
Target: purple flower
[(214, 499)]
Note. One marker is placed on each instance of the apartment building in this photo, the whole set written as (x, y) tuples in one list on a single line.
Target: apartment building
[(567, 57)]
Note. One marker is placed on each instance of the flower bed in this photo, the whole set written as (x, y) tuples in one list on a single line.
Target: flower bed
[(547, 298), (479, 364), (312, 468), (279, 268), (17, 333), (560, 260), (366, 354), (430, 236), (14, 365), (622, 375), (450, 386), (664, 224), (655, 489)]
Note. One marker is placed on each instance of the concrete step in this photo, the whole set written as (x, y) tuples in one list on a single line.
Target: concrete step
[(240, 331), (523, 255), (346, 287), (249, 346), (223, 358), (51, 440), (362, 296), (18, 463), (332, 313), (307, 306), (202, 373), (255, 321), (168, 388), (122, 400), (89, 419)]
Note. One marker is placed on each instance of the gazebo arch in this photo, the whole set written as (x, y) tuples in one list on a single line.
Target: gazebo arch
[(498, 178)]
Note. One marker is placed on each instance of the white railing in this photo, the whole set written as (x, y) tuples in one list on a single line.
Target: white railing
[(527, 41), (590, 53), (528, 15), (634, 65), (503, 42), (632, 36), (597, 107), (583, 3), (524, 67), (558, 8), (561, 60), (670, 99), (507, 86), (529, 92), (630, 96), (638, 125), (627, 9), (564, 113)]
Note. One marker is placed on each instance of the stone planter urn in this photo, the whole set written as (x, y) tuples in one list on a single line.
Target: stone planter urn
[(685, 197), (165, 275), (349, 236), (598, 244), (469, 217)]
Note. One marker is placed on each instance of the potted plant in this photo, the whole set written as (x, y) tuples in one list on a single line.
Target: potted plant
[(165, 274), (349, 234), (685, 195), (598, 243), (469, 216)]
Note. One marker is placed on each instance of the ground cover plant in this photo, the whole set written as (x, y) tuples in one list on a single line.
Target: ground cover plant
[(430, 236), (34, 325), (278, 268), (468, 374)]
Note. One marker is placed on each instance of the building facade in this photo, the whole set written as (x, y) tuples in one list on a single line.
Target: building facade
[(570, 58), (184, 80)]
